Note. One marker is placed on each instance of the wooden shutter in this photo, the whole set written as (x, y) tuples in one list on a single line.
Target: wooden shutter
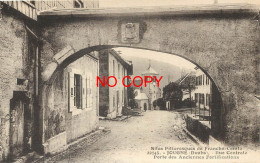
[(84, 91), (71, 94), (88, 91), (91, 90), (80, 89)]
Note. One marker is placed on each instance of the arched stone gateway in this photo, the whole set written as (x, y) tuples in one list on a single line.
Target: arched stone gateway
[(222, 41)]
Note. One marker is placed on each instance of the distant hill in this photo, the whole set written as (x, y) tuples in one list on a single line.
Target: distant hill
[(168, 71)]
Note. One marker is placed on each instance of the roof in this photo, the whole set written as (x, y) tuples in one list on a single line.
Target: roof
[(183, 78), (141, 96), (154, 11), (150, 71)]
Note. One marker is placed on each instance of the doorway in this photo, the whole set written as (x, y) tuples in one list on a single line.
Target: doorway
[(20, 124)]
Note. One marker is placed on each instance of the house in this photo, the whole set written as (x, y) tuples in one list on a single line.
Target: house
[(71, 109), (113, 99), (202, 93), (187, 84), (24, 127)]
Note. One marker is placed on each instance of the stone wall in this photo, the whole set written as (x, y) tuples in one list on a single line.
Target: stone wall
[(103, 91), (61, 125), (16, 63), (198, 128)]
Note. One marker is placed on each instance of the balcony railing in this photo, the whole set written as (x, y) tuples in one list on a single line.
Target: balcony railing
[(24, 7)]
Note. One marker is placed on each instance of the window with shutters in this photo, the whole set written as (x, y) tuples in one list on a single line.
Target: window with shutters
[(77, 91)]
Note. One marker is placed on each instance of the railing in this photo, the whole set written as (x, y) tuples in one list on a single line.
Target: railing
[(24, 7), (50, 4), (30, 9), (201, 112)]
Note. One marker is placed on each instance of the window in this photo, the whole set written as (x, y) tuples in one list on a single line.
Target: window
[(122, 97), (202, 99), (207, 81), (113, 67), (78, 4), (207, 99), (114, 101), (118, 68), (32, 2), (203, 79), (122, 71), (196, 97), (77, 91)]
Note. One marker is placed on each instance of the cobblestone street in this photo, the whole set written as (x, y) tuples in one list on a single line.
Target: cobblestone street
[(131, 139)]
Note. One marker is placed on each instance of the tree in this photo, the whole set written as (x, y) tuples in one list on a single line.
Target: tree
[(131, 97), (131, 93), (172, 92), (189, 83), (160, 102)]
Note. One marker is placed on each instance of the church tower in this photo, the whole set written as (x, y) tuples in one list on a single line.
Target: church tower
[(151, 90)]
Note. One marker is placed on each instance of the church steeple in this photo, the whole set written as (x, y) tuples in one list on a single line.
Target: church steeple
[(150, 71)]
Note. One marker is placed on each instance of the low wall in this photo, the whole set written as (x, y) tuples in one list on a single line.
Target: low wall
[(56, 143), (197, 128)]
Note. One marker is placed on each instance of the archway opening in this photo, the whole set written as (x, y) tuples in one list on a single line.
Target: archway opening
[(71, 94)]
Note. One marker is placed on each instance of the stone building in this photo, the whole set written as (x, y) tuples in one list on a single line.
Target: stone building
[(141, 99), (112, 99), (22, 125), (71, 104), (19, 53)]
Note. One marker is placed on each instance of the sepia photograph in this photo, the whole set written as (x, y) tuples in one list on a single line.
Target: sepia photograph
[(129, 81)]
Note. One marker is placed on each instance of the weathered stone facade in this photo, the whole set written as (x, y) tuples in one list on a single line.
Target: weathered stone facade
[(18, 49), (112, 99), (64, 122), (223, 43)]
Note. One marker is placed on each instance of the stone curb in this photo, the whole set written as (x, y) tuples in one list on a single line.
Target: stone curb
[(98, 133), (193, 138), (24, 159), (115, 119)]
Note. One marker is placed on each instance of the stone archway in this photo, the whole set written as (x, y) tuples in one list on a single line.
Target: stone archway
[(224, 43)]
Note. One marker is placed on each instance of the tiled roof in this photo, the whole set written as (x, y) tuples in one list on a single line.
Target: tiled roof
[(150, 71)]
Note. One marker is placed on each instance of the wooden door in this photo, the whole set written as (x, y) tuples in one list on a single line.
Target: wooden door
[(17, 128)]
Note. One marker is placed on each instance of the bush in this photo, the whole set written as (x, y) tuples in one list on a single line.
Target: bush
[(132, 103), (103, 111), (188, 103), (160, 102)]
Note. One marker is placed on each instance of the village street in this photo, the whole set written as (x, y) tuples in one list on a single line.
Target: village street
[(131, 139)]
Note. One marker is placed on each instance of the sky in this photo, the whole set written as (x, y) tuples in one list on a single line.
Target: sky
[(171, 67), (136, 3), (174, 60)]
